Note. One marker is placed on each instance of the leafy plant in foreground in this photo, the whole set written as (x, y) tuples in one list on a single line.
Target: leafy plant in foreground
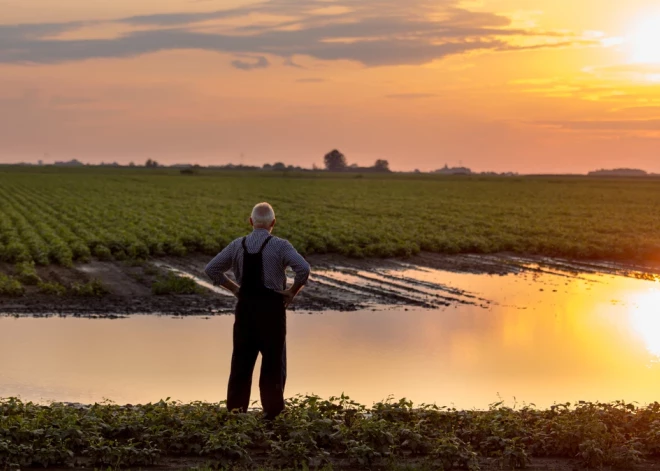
[(314, 432)]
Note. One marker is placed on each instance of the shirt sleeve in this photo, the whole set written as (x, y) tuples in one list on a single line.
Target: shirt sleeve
[(220, 265), (298, 264)]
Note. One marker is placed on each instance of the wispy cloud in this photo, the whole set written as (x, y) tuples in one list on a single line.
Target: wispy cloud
[(409, 96), (251, 64), (371, 32), (311, 80), (612, 125)]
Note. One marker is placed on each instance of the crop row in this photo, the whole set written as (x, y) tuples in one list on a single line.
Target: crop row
[(67, 217), (315, 432)]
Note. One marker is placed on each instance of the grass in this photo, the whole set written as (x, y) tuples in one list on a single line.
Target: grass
[(316, 433), (175, 284), (67, 215)]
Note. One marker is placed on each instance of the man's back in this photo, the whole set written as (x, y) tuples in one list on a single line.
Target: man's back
[(278, 254)]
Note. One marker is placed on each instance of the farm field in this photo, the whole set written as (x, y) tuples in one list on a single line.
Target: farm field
[(64, 216), (101, 240), (458, 288)]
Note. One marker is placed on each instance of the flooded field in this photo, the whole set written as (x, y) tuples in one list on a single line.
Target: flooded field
[(539, 333)]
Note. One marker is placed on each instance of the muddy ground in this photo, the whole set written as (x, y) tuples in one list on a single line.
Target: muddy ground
[(337, 283)]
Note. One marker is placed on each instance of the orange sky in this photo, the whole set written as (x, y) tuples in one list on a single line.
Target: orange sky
[(522, 85)]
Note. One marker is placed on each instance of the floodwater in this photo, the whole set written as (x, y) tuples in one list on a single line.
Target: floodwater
[(537, 337)]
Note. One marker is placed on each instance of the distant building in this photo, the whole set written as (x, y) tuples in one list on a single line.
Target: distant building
[(619, 172), (446, 170)]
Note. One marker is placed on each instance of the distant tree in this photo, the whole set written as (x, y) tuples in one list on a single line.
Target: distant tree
[(151, 164), (279, 166), (132, 164), (267, 167), (335, 161), (382, 166)]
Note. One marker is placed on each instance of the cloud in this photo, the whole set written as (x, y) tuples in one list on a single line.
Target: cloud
[(59, 100), (371, 32), (409, 96), (609, 125), (311, 80), (258, 63)]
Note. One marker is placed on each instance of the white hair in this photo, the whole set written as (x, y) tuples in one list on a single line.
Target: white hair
[(263, 215)]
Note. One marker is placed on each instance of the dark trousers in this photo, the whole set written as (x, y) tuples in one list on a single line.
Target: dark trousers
[(260, 327)]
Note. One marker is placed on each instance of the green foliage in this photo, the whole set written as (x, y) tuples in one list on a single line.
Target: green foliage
[(175, 284), (68, 215), (92, 288), (315, 433), (52, 288), (10, 286), (27, 274)]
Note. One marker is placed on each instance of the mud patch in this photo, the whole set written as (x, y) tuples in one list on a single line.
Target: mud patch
[(337, 284)]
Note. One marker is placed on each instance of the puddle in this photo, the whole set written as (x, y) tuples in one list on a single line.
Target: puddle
[(538, 334), (201, 282)]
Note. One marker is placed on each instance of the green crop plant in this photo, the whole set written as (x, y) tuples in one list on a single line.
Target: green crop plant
[(65, 216), (10, 286), (52, 288), (175, 284), (93, 288), (27, 274), (314, 433)]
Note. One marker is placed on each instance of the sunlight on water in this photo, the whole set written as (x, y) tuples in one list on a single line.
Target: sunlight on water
[(544, 338), (645, 318)]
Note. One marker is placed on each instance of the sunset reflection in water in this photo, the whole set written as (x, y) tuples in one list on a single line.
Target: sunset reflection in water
[(544, 338), (645, 318)]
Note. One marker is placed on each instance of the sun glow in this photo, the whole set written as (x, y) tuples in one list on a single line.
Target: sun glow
[(645, 41), (645, 319)]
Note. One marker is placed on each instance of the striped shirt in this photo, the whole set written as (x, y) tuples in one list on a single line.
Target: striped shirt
[(277, 256)]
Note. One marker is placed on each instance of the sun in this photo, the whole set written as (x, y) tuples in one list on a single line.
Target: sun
[(645, 41)]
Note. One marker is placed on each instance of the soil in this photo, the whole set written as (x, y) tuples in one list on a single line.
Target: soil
[(337, 283)]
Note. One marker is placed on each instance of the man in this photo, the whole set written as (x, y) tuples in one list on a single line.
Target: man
[(259, 261)]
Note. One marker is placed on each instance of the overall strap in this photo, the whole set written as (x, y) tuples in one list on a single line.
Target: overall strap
[(265, 243), (244, 246)]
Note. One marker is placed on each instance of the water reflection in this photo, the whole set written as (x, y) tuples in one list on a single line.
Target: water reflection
[(545, 338), (645, 318)]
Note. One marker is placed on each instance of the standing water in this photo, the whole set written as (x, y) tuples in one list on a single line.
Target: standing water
[(535, 337)]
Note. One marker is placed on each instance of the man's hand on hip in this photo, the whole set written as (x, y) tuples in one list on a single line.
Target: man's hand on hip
[(231, 286), (289, 294)]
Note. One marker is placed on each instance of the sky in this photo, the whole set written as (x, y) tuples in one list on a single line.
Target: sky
[(533, 86)]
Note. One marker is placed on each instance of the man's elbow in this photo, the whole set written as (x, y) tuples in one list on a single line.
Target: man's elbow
[(305, 272), (211, 271)]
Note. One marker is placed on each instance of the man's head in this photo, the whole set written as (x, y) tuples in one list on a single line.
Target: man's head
[(263, 217)]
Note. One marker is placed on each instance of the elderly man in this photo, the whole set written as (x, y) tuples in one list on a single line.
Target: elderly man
[(259, 261)]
